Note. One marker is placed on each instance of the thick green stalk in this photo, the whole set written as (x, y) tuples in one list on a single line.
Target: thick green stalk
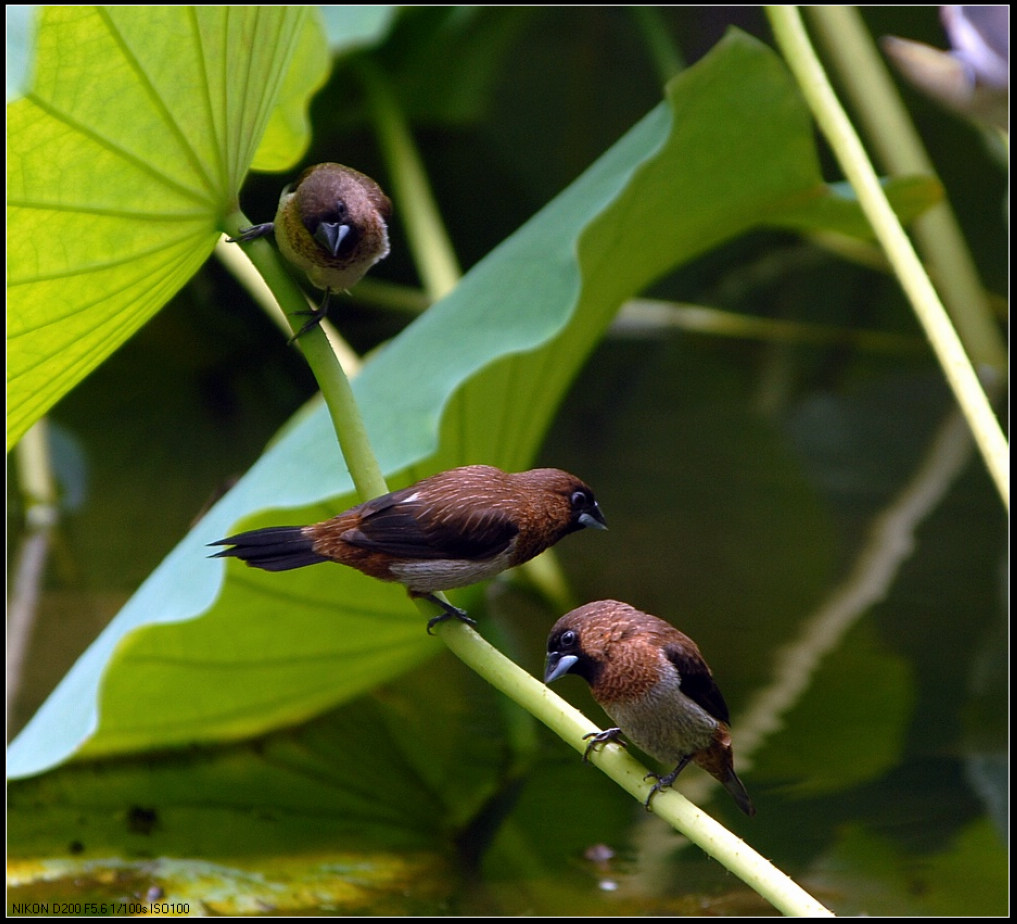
[(666, 56), (36, 484), (894, 138), (835, 125), (438, 267), (432, 250), (335, 386), (486, 660), (535, 697)]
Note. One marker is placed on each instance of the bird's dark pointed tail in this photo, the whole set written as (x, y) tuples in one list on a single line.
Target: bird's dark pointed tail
[(276, 548)]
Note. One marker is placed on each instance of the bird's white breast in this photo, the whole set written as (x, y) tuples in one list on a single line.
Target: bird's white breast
[(426, 576), (664, 722)]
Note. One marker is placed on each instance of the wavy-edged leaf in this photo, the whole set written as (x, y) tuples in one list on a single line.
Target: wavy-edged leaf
[(123, 159), (834, 207), (477, 378)]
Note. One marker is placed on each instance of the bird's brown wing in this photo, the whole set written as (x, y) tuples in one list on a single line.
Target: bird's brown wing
[(413, 528), (698, 683)]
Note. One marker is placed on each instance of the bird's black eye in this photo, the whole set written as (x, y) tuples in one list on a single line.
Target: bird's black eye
[(568, 638), (581, 499)]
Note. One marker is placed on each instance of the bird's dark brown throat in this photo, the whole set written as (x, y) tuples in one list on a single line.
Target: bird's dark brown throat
[(449, 530), (333, 224), (655, 685)]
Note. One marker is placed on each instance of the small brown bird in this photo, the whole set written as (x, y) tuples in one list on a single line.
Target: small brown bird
[(449, 530), (332, 224), (652, 680)]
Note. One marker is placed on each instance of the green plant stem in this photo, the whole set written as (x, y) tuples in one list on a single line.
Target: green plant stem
[(432, 250), (647, 314), (486, 660), (335, 386), (351, 433), (42, 513), (801, 58), (667, 58), (571, 725), (882, 114)]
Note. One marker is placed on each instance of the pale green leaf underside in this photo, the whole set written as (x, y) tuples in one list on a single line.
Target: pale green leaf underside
[(476, 379), (123, 160)]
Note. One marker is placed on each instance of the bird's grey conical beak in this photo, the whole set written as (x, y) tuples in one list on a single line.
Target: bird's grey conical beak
[(557, 665), (330, 235), (592, 522)]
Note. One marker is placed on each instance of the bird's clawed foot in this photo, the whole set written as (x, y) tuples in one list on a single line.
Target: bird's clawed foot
[(664, 782), (252, 233), (316, 317), (601, 737), (450, 612)]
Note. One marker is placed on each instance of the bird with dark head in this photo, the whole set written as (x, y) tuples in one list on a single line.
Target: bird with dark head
[(332, 224), (449, 530), (652, 681)]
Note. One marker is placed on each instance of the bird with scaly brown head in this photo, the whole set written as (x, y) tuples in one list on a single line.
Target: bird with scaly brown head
[(452, 529), (655, 685), (332, 224)]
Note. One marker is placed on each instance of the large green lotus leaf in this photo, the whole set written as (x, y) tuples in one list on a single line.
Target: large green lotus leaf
[(339, 813), (834, 206), (122, 161), (477, 378)]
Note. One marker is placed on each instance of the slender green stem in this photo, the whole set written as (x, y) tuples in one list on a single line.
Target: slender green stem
[(335, 386), (432, 250), (627, 772), (466, 644), (42, 512), (790, 34), (881, 112), (391, 296), (486, 660), (666, 56), (640, 314)]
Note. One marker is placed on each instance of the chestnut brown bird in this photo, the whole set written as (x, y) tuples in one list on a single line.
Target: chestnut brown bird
[(449, 530), (332, 224), (653, 682)]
